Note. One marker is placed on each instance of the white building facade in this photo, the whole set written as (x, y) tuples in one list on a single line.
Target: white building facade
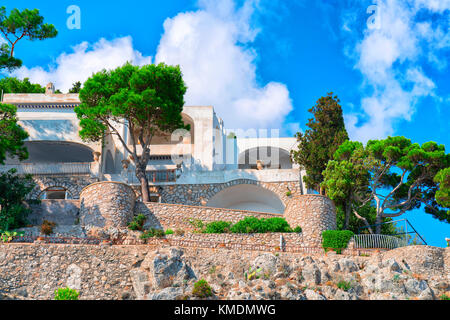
[(207, 166)]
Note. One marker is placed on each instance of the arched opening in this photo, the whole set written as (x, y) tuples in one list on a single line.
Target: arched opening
[(247, 197), (56, 152), (269, 157), (55, 193)]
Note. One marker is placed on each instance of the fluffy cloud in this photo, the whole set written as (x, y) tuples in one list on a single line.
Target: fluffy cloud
[(212, 47), (390, 59), (83, 61)]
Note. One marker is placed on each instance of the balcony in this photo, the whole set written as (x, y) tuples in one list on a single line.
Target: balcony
[(77, 168)]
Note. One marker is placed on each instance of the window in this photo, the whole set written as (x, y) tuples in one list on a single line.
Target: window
[(55, 193)]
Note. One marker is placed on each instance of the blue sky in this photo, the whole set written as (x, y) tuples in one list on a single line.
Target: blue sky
[(263, 64)]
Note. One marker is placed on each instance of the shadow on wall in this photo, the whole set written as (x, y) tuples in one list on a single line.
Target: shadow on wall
[(247, 197)]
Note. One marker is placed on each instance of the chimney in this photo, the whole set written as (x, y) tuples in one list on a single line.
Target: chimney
[(50, 89)]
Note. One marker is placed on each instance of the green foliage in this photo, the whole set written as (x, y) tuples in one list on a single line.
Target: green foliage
[(344, 285), (169, 231), (152, 233), (297, 229), (288, 193), (444, 297), (318, 144), (150, 98), (217, 227), (76, 87), (399, 175), (8, 236), (11, 134), (6, 60), (336, 239), (47, 227), (137, 223), (442, 178), (198, 225), (252, 274), (202, 289), (254, 225), (24, 24), (66, 294), (13, 192), (14, 85)]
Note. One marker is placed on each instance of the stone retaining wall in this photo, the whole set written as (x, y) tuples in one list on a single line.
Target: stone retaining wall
[(198, 194), (62, 212), (175, 216), (74, 184)]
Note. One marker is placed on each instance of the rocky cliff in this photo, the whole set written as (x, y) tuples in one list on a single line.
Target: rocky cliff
[(144, 272)]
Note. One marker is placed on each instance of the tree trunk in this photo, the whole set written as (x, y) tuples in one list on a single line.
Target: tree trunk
[(378, 222), (141, 175), (348, 209)]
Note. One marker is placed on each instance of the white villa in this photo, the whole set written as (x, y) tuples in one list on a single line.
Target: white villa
[(209, 166)]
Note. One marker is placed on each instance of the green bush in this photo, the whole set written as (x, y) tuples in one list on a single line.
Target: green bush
[(66, 294), (336, 239), (217, 227), (344, 285), (169, 231), (137, 224), (14, 189), (254, 225), (444, 297), (202, 289), (152, 233), (298, 229)]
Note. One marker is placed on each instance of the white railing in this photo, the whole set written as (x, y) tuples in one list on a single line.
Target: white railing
[(382, 241), (49, 168), (221, 176)]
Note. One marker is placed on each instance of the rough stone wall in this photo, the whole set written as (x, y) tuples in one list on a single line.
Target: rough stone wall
[(314, 213), (35, 271), (198, 194), (175, 216), (106, 205), (62, 212), (74, 184)]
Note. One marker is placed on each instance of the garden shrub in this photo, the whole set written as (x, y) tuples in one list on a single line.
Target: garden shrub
[(169, 231), (298, 229), (152, 233), (66, 294), (344, 285), (336, 239), (202, 289), (254, 225), (217, 227), (47, 227), (137, 224)]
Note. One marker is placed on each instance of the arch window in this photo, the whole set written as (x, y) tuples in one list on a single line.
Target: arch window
[(55, 193)]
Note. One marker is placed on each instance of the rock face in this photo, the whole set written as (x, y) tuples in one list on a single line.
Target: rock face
[(143, 272)]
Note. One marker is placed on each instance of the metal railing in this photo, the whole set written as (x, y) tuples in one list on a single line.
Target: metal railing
[(364, 241), (74, 168)]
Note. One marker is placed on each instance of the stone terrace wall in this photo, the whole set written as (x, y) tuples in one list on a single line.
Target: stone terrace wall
[(74, 184), (62, 212), (197, 194), (176, 216)]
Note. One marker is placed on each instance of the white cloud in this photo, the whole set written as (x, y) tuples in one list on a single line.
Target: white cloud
[(211, 45), (85, 60), (390, 60)]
